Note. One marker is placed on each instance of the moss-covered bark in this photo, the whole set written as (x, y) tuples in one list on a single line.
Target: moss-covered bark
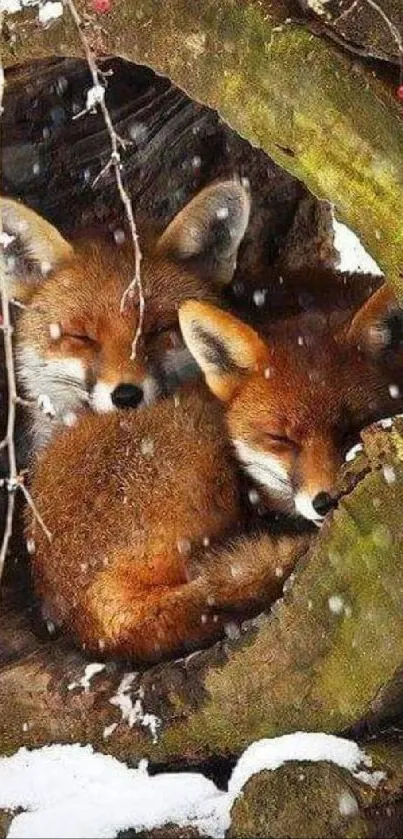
[(331, 124)]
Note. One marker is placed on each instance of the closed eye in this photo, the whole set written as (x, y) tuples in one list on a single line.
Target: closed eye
[(278, 438), (84, 339)]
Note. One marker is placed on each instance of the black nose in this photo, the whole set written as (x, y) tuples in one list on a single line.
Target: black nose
[(127, 396), (322, 503)]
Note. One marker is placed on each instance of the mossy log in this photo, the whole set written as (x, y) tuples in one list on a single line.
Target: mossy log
[(327, 656), (335, 126)]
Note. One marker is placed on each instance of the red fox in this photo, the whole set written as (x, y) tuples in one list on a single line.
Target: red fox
[(139, 504), (73, 345)]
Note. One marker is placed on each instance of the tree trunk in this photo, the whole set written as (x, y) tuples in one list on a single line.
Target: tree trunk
[(329, 654), (329, 122)]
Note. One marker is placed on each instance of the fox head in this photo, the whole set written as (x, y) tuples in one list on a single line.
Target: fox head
[(73, 341), (294, 404)]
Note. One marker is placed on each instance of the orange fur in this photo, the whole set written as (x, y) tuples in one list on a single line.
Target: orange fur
[(134, 500), (73, 340)]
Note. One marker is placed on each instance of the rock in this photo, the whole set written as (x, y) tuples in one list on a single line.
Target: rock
[(298, 801), (5, 821), (302, 800), (169, 831)]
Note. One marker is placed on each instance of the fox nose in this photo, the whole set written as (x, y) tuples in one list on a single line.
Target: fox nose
[(127, 396), (323, 503)]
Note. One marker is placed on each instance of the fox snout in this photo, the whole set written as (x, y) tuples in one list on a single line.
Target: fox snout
[(107, 397), (314, 508), (316, 473)]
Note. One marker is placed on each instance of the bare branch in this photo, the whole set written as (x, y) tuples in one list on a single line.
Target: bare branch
[(14, 481), (8, 441), (117, 143), (36, 513)]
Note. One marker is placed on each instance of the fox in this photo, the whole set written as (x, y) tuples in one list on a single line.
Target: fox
[(154, 545), (73, 341)]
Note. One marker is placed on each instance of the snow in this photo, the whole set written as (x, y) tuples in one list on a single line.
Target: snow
[(389, 474), (6, 239), (133, 712), (394, 391), (85, 681), (347, 805), (50, 11), (72, 791), (55, 331), (336, 604), (45, 404), (13, 6), (352, 453), (352, 255), (95, 95)]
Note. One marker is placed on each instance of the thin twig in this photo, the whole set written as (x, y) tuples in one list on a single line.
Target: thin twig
[(36, 513), (114, 162), (11, 387), (14, 480)]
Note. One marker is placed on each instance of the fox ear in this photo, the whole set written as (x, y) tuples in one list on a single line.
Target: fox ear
[(224, 347), (32, 247), (378, 325), (209, 230)]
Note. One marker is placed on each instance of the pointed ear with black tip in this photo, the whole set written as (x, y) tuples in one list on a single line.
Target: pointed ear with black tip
[(32, 248), (225, 349), (377, 327), (209, 230)]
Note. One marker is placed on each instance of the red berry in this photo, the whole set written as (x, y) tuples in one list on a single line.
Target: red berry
[(399, 92), (101, 7)]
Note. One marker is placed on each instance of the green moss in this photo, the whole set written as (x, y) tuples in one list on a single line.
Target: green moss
[(310, 667)]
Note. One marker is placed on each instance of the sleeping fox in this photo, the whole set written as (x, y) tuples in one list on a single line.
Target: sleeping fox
[(73, 343), (141, 505)]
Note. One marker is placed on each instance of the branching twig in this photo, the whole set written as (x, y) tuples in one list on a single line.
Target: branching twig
[(37, 515), (8, 441), (114, 162), (14, 480)]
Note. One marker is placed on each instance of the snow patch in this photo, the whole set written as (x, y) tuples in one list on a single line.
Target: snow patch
[(13, 6), (352, 453), (50, 11), (352, 255), (85, 681), (71, 791), (45, 404), (133, 712)]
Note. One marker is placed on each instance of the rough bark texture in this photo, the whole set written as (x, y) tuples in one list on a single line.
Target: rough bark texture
[(360, 26), (334, 126), (329, 655)]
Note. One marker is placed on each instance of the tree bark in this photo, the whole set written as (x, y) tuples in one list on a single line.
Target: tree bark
[(332, 124)]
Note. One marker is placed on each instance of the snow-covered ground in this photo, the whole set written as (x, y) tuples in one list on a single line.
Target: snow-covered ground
[(71, 791)]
